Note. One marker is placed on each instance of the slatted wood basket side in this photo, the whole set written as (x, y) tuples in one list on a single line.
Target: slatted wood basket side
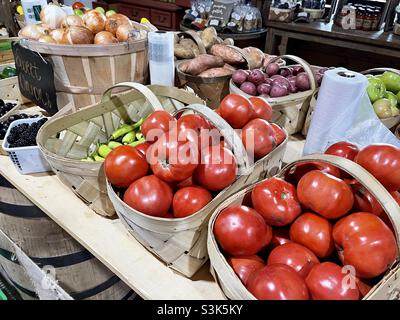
[(9, 88), (182, 243), (234, 289), (67, 139)]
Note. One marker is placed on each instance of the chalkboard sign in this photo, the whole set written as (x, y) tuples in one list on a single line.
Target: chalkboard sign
[(35, 78), (221, 11)]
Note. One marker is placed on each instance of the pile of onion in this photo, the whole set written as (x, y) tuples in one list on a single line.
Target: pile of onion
[(114, 21), (105, 37), (94, 21), (77, 35), (72, 20)]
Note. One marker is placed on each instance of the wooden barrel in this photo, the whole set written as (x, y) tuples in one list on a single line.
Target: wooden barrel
[(78, 272)]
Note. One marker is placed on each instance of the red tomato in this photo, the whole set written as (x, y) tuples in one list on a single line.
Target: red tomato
[(343, 149), (327, 281), (364, 201), (279, 134), (124, 165), (325, 194), (172, 160), (142, 148), (294, 255), (192, 121), (149, 195), (236, 110), (241, 230), (78, 5), (189, 200), (258, 138), (367, 243), (383, 162), (301, 169), (276, 200), (280, 236), (396, 196), (156, 124), (244, 266), (261, 108), (277, 282), (313, 232), (217, 169)]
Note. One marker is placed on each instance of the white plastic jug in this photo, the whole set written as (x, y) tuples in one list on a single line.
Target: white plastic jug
[(32, 10)]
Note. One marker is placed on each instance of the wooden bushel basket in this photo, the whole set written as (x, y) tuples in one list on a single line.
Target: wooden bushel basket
[(182, 243), (387, 288), (83, 72), (83, 129), (289, 111)]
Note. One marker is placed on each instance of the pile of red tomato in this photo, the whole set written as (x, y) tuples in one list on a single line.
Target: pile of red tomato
[(317, 234), (156, 178)]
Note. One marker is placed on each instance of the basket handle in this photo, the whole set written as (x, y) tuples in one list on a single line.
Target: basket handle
[(365, 178), (146, 92), (244, 55), (196, 38), (304, 64), (227, 131), (379, 71)]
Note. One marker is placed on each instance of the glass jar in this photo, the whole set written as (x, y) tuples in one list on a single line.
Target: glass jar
[(360, 15), (368, 20)]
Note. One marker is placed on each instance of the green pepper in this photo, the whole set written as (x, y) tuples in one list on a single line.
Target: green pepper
[(129, 137), (114, 144), (121, 131), (136, 143), (104, 150), (138, 124), (9, 72), (98, 158)]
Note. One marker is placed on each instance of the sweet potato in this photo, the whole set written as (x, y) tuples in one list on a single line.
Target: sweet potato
[(256, 56), (201, 63), (229, 55), (216, 72)]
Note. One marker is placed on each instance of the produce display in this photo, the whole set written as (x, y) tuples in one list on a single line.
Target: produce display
[(24, 135), (291, 237), (83, 27), (8, 72), (384, 93), (182, 164)]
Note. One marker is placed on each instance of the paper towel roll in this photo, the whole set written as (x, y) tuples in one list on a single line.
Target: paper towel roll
[(161, 58)]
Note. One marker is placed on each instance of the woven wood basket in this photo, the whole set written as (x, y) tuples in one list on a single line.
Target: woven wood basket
[(231, 285), (9, 88), (182, 243), (83, 72), (83, 129), (289, 111), (389, 123), (211, 90)]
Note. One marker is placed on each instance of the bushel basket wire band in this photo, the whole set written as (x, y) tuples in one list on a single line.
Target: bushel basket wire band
[(67, 139), (230, 283), (182, 243)]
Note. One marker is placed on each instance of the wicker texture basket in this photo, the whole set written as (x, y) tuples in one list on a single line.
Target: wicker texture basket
[(289, 111), (85, 128), (231, 284), (182, 243)]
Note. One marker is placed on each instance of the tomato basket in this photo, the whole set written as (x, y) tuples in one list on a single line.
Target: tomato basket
[(182, 243), (389, 285)]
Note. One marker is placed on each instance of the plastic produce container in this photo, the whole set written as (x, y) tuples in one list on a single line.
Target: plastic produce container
[(26, 159)]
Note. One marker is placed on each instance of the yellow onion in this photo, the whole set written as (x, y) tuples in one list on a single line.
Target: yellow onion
[(47, 39), (33, 31), (116, 20), (77, 35), (105, 37), (72, 20), (57, 35), (94, 21), (52, 15), (126, 32)]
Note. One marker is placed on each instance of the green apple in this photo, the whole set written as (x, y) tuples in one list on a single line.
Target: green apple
[(109, 13), (383, 108), (376, 89), (78, 12), (392, 98), (100, 9), (391, 81)]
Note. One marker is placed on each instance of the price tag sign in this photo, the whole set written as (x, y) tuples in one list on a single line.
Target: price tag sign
[(35, 78), (221, 10)]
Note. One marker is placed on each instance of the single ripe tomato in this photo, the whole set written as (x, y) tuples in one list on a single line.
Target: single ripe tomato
[(149, 195), (192, 121), (366, 243), (217, 169), (241, 230), (325, 194), (258, 138), (276, 200), (364, 201), (156, 124), (301, 169), (189, 200), (280, 236), (244, 266), (236, 110), (314, 232), (172, 160), (294, 255), (78, 5), (142, 148), (279, 134), (124, 165), (328, 281), (383, 162), (343, 149), (261, 108), (277, 282)]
